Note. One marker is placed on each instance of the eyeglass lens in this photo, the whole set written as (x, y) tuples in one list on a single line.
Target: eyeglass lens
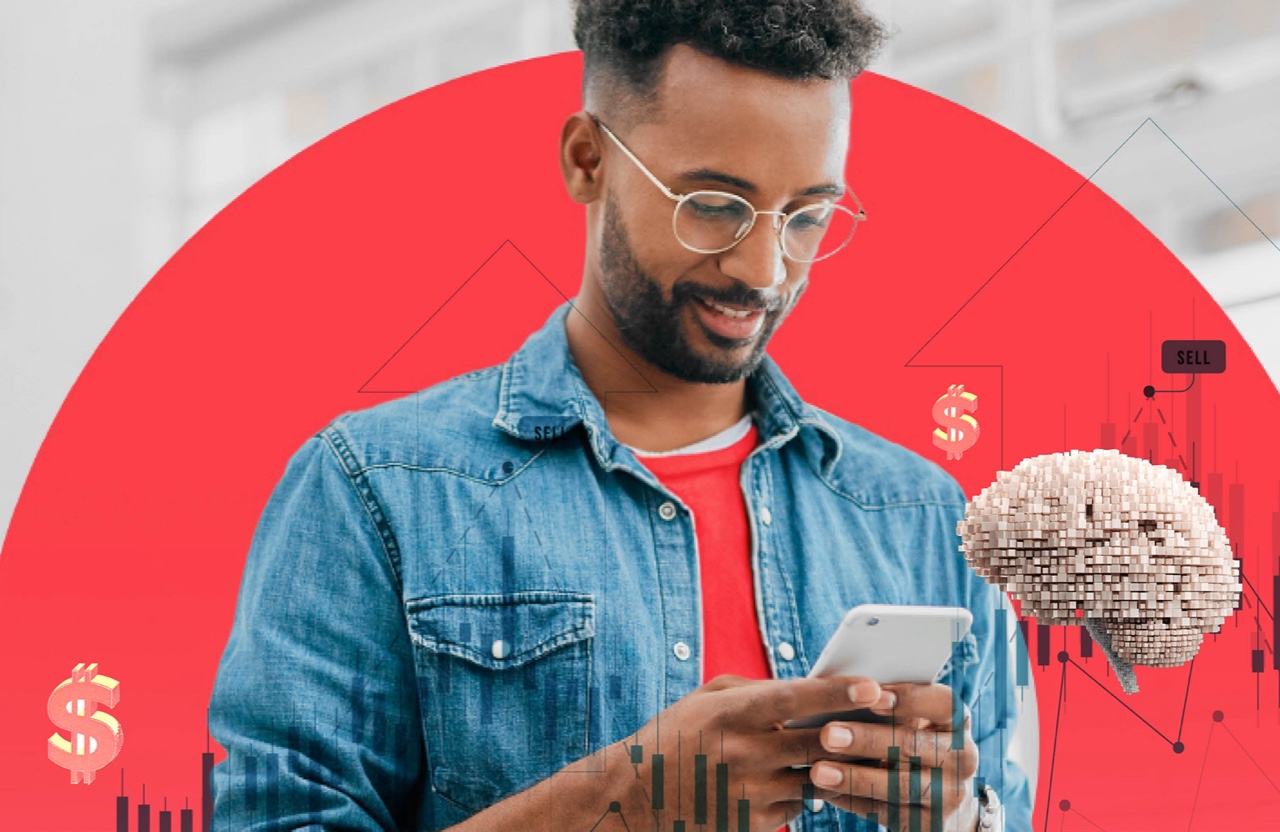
[(713, 221)]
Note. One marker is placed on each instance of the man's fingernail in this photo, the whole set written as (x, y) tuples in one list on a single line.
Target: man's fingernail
[(826, 776), (864, 691), (886, 701), (839, 737)]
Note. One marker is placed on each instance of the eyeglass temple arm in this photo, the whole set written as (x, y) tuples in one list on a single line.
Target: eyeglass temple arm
[(859, 215), (637, 162)]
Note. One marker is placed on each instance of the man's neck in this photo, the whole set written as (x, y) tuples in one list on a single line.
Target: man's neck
[(646, 407)]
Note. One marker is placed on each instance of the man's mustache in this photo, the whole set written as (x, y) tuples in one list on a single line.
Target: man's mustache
[(736, 294)]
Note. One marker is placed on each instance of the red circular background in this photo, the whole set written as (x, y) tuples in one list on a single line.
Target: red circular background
[(359, 270)]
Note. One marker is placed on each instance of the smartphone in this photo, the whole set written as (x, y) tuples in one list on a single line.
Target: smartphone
[(890, 643)]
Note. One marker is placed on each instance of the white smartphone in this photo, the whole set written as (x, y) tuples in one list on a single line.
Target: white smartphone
[(890, 643)]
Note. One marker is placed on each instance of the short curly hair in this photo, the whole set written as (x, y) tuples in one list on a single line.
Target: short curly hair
[(626, 40)]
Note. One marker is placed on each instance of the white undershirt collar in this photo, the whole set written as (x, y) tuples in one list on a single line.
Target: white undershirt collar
[(718, 442)]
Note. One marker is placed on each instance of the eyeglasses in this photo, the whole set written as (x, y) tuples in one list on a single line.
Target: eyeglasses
[(709, 222)]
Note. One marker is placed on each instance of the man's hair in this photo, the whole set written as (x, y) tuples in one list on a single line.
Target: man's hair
[(625, 40)]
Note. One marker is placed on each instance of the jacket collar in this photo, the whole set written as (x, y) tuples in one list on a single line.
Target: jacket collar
[(542, 393)]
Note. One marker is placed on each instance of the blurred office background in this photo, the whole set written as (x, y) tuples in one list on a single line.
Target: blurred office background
[(126, 124)]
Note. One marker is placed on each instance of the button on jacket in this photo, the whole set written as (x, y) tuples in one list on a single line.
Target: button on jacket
[(452, 595)]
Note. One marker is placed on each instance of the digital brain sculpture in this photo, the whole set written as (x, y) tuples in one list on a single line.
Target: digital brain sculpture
[(1127, 548)]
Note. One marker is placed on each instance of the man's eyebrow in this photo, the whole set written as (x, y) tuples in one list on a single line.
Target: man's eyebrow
[(710, 175), (831, 190)]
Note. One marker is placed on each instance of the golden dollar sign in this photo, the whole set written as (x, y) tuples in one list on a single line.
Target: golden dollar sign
[(96, 737), (959, 430)]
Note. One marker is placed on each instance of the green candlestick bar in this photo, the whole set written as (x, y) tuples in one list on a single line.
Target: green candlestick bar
[(637, 755), (892, 797), (935, 798), (744, 815), (1023, 675), (722, 797), (1275, 597), (957, 709), (913, 793), (699, 789), (658, 801), (677, 826), (206, 795), (1000, 624)]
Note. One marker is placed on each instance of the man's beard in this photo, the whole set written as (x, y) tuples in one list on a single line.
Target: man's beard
[(653, 327)]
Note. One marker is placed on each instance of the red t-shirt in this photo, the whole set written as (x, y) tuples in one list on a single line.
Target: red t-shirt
[(708, 483)]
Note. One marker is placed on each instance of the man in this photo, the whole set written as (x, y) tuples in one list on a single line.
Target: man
[(590, 581)]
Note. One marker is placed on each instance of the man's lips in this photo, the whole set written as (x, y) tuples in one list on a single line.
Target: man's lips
[(729, 320)]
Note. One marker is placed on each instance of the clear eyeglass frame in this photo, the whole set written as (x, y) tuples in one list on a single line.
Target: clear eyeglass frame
[(780, 227)]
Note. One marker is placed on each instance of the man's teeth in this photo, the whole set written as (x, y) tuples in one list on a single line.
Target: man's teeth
[(727, 312)]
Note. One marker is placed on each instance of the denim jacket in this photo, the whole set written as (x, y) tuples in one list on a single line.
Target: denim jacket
[(452, 595)]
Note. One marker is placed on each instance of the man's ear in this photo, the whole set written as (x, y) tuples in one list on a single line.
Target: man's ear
[(580, 160)]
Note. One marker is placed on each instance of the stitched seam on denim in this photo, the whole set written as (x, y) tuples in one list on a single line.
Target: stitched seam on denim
[(702, 616), (447, 779), (662, 604), (470, 810), (874, 506), (503, 415), (581, 632), (586, 680), (798, 414), (696, 576), (579, 606), (436, 470), (779, 409), (592, 430), (824, 428), (759, 549), (498, 599), (798, 641), (363, 490)]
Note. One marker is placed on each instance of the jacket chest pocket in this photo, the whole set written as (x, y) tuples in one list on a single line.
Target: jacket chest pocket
[(504, 681)]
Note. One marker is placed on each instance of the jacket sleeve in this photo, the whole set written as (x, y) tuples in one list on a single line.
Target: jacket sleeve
[(989, 688), (984, 674), (316, 700)]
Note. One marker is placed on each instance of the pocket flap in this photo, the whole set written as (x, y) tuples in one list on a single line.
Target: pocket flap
[(500, 631)]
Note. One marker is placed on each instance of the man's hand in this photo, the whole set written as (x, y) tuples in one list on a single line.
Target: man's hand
[(738, 724), (922, 728)]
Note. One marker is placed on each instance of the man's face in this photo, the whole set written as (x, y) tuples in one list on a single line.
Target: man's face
[(707, 318)]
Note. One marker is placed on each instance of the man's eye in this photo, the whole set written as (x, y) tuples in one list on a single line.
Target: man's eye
[(716, 209), (810, 219)]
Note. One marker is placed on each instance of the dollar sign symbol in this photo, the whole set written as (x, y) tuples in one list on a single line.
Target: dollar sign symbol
[(959, 430), (96, 737)]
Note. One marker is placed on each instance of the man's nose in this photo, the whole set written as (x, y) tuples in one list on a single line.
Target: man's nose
[(757, 258)]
